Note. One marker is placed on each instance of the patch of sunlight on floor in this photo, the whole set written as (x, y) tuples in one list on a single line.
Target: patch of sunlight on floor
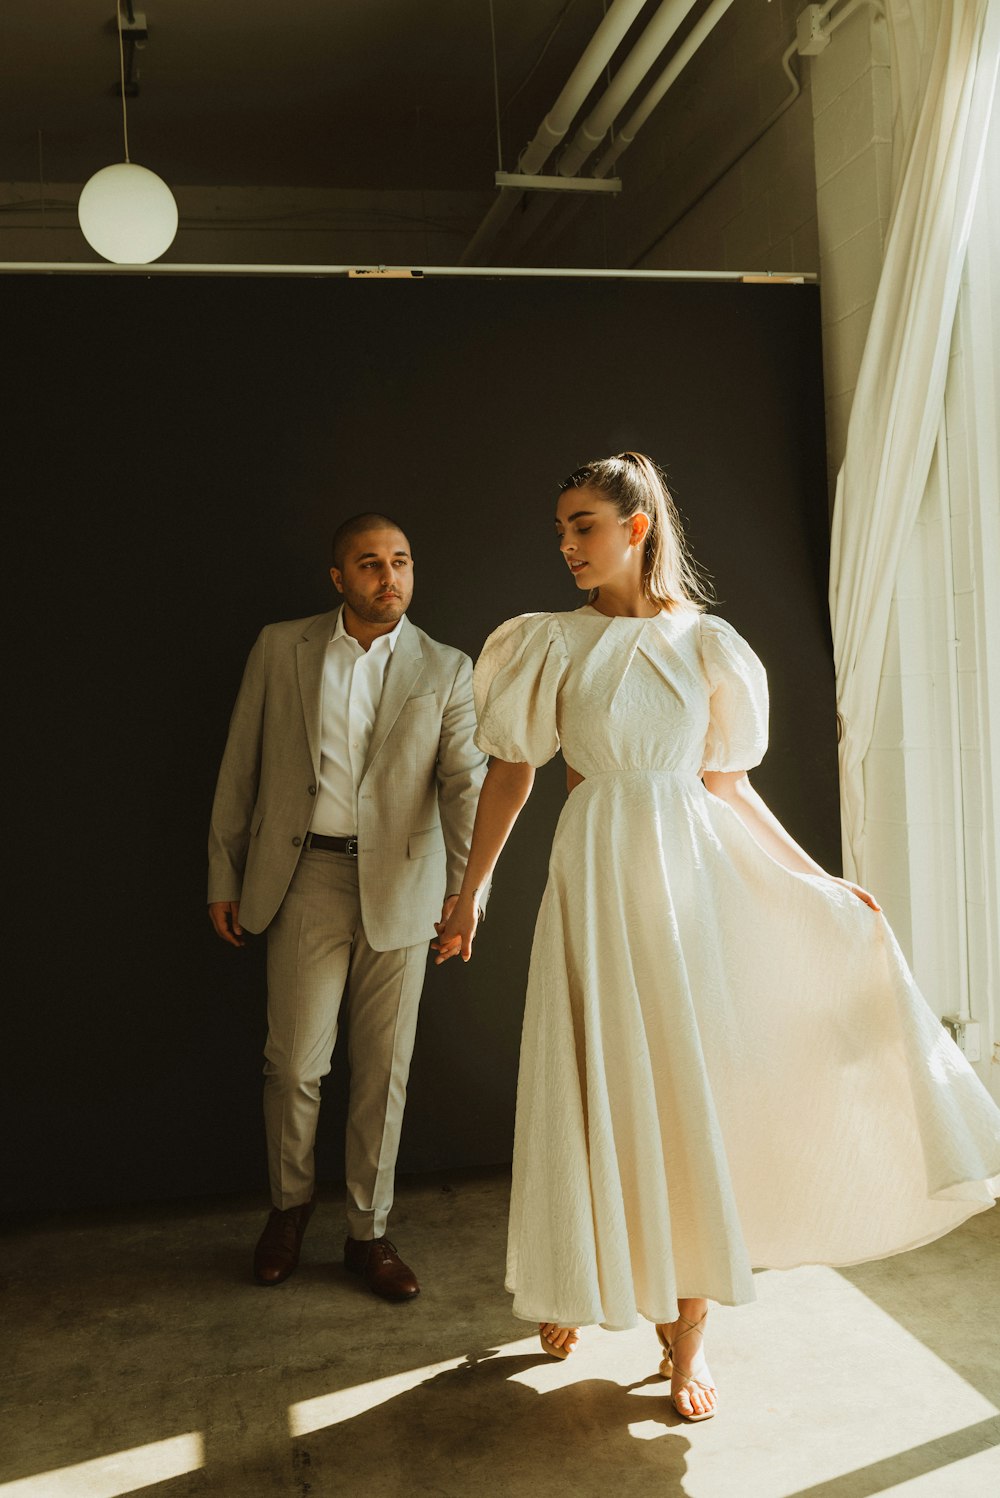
[(110, 1476), (621, 1357), (972, 1477), (817, 1381), (645, 1430), (344, 1404)]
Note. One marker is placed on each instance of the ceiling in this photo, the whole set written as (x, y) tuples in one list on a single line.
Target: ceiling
[(374, 94)]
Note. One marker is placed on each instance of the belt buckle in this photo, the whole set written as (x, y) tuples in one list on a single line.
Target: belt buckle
[(351, 847)]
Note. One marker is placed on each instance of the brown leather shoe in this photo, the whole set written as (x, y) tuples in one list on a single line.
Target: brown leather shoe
[(381, 1268), (279, 1245)]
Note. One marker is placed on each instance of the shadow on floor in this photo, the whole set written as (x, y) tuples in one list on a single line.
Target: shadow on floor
[(469, 1430), (144, 1327)]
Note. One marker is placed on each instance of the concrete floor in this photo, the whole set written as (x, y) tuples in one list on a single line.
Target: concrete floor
[(141, 1358)]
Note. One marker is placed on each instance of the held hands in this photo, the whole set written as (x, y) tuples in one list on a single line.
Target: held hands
[(456, 929), (225, 918)]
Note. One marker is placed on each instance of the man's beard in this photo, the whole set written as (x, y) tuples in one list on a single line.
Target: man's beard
[(376, 611)]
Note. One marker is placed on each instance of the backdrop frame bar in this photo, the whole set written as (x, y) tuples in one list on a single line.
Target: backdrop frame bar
[(101, 268)]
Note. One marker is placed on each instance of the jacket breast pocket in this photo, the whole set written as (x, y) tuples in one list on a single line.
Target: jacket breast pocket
[(421, 844)]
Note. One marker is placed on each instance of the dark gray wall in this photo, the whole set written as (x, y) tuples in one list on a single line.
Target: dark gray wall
[(177, 453)]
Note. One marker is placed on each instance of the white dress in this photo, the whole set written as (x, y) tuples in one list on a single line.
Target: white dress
[(723, 1064)]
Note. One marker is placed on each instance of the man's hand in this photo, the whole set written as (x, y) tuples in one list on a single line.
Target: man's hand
[(456, 929), (225, 918), (446, 909)]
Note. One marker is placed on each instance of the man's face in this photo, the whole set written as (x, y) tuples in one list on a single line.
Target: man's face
[(376, 575)]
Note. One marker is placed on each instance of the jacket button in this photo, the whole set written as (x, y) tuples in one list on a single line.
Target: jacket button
[(296, 842), (312, 790)]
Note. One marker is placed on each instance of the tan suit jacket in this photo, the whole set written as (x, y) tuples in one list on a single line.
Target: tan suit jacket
[(416, 800)]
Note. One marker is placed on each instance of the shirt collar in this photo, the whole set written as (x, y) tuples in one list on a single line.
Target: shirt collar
[(340, 633)]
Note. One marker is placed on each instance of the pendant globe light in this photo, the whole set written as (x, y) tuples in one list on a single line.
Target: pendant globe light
[(127, 213)]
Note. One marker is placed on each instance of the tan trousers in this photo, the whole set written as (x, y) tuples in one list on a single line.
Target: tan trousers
[(316, 948)]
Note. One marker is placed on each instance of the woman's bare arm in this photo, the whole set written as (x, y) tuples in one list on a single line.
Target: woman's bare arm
[(505, 790), (734, 788)]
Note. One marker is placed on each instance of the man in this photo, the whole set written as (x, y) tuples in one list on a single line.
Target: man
[(342, 820)]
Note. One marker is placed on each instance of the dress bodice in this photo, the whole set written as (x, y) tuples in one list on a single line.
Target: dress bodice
[(677, 692)]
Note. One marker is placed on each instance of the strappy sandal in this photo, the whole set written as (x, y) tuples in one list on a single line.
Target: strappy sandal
[(667, 1370), (552, 1348)]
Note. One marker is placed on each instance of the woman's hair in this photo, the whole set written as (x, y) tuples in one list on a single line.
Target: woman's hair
[(633, 482)]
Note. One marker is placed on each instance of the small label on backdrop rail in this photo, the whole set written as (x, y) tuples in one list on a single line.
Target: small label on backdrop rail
[(383, 273)]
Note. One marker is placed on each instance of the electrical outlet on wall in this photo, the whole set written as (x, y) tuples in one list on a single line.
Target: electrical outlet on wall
[(967, 1035)]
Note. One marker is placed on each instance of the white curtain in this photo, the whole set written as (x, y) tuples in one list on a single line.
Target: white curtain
[(944, 70)]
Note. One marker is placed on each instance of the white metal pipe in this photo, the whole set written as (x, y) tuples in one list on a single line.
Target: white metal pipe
[(848, 10), (552, 130), (628, 132), (624, 84), (596, 55)]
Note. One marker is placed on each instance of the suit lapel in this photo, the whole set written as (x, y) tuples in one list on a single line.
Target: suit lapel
[(401, 673), (310, 659)]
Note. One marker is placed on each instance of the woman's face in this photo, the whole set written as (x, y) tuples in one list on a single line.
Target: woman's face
[(597, 545)]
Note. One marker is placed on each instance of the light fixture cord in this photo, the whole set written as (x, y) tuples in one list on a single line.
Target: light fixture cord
[(121, 60), (496, 88)]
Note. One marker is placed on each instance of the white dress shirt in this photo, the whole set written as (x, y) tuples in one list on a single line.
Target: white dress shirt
[(352, 690)]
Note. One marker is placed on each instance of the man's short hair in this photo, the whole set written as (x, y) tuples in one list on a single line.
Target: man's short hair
[(370, 520)]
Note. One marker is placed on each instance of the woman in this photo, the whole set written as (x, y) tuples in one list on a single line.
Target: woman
[(725, 1061)]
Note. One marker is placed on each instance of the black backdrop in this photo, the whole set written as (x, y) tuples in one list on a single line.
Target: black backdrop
[(177, 453)]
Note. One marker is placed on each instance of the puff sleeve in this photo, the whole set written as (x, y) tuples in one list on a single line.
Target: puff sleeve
[(516, 685), (737, 729)]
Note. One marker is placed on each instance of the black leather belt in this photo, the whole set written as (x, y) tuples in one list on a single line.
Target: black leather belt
[(348, 845)]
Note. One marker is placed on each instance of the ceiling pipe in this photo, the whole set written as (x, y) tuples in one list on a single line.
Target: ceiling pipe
[(624, 84), (627, 132), (552, 131)]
